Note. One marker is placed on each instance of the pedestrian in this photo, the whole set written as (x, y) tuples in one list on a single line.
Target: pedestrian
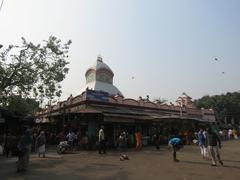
[(156, 139), (202, 144), (10, 144), (79, 136), (121, 141), (230, 134), (214, 144), (125, 139), (24, 148), (101, 141), (71, 137), (41, 144), (176, 144), (235, 135), (138, 137), (34, 146)]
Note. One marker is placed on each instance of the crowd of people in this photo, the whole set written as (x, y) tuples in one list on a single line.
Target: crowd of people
[(35, 139), (208, 141)]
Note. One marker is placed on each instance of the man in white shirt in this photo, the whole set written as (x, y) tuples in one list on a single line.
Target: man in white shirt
[(71, 137), (101, 141)]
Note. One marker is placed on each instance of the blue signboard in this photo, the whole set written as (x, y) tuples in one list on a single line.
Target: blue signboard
[(97, 95)]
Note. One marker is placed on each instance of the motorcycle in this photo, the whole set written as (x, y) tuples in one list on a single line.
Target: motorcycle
[(63, 147)]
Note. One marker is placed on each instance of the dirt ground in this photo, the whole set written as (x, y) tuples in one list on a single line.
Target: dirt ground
[(146, 164)]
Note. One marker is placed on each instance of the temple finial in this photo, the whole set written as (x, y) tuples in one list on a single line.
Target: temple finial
[(99, 58)]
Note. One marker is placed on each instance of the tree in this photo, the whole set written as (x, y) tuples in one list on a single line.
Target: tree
[(33, 71), (225, 105), (22, 107)]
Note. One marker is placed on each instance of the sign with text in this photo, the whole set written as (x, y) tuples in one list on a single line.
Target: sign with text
[(97, 96)]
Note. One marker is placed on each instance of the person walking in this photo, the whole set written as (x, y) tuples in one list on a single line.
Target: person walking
[(101, 141), (156, 139), (202, 144), (214, 144), (24, 148), (71, 137), (121, 141), (230, 134), (41, 143), (138, 137), (176, 144)]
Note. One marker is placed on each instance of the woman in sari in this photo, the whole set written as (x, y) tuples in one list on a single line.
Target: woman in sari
[(41, 141), (138, 137), (24, 148)]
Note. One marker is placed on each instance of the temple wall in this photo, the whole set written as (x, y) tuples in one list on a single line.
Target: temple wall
[(70, 106)]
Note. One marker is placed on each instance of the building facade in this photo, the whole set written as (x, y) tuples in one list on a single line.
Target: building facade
[(101, 103)]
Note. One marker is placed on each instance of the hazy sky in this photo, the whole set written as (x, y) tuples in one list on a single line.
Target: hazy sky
[(168, 46)]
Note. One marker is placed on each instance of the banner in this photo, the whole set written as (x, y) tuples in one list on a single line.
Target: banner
[(97, 96)]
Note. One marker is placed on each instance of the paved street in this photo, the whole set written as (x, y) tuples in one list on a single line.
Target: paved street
[(147, 164)]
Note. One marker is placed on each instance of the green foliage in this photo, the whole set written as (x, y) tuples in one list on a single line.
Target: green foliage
[(22, 107), (33, 71), (226, 105)]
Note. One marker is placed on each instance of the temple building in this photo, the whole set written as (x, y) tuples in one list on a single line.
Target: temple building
[(184, 101), (101, 103), (99, 77)]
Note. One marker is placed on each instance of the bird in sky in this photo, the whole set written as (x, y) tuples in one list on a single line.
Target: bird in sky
[(216, 59)]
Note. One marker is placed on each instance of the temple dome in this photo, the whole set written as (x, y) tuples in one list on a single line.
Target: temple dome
[(99, 65), (99, 77)]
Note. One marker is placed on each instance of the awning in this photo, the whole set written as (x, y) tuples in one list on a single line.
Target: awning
[(113, 117), (184, 118)]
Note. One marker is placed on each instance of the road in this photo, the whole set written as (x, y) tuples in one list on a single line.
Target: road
[(147, 164)]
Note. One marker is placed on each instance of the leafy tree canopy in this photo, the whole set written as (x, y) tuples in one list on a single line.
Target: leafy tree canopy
[(22, 107), (33, 70), (225, 105)]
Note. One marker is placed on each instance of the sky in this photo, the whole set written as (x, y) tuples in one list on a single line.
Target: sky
[(168, 46)]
